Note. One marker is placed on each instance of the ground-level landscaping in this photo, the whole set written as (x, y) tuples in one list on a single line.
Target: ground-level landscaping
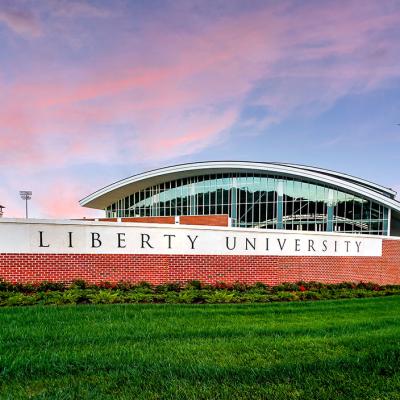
[(336, 349), (192, 292)]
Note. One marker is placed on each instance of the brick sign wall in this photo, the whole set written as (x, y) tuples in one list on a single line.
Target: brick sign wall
[(97, 251)]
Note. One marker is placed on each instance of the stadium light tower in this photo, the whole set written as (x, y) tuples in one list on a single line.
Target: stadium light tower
[(26, 195)]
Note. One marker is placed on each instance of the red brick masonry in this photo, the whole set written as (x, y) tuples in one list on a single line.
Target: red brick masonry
[(209, 220), (171, 268)]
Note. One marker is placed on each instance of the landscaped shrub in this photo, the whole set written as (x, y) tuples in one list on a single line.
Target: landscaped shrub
[(194, 284), (368, 286), (284, 296), (79, 284), (254, 297), (168, 287), (135, 297), (260, 286), (19, 299), (171, 297), (240, 287), (309, 295), (189, 296), (51, 286), (74, 296), (221, 285), (5, 286), (286, 287), (193, 292), (221, 296), (105, 297), (124, 286), (144, 285), (48, 298)]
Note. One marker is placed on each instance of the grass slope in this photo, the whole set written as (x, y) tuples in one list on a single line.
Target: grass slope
[(347, 349)]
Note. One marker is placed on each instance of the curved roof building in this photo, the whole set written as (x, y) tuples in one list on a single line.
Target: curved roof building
[(256, 195)]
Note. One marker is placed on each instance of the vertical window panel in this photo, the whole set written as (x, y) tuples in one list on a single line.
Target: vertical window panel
[(258, 200)]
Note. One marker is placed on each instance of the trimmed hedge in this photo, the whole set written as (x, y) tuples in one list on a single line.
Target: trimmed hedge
[(193, 292)]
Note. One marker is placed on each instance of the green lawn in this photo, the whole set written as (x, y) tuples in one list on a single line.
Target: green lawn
[(343, 349)]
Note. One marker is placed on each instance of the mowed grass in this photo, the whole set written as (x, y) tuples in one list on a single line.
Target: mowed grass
[(343, 349)]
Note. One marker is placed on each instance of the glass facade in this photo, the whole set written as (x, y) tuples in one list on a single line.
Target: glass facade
[(259, 200)]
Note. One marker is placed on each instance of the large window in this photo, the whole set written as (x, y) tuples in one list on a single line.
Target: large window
[(258, 201)]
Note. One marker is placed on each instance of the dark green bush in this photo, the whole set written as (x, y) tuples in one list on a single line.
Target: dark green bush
[(80, 292), (260, 286), (368, 286), (74, 296), (144, 284), (168, 287), (285, 287), (20, 299), (78, 284), (284, 296), (25, 288), (221, 285), (137, 297), (105, 297), (240, 287), (5, 286), (171, 297), (189, 296), (194, 284), (49, 297), (310, 295), (221, 296), (52, 286), (314, 286), (124, 286)]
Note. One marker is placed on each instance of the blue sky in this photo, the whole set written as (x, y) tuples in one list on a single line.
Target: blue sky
[(92, 92)]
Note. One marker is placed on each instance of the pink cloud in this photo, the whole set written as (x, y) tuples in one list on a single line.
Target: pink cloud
[(200, 131), (55, 195), (22, 22), (79, 9), (60, 200), (127, 105), (213, 72)]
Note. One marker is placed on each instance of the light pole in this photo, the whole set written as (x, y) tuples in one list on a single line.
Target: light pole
[(26, 195)]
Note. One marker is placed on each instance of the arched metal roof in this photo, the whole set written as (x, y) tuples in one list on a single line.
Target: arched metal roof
[(117, 190)]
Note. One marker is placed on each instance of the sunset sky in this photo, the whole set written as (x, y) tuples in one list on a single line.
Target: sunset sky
[(95, 91)]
